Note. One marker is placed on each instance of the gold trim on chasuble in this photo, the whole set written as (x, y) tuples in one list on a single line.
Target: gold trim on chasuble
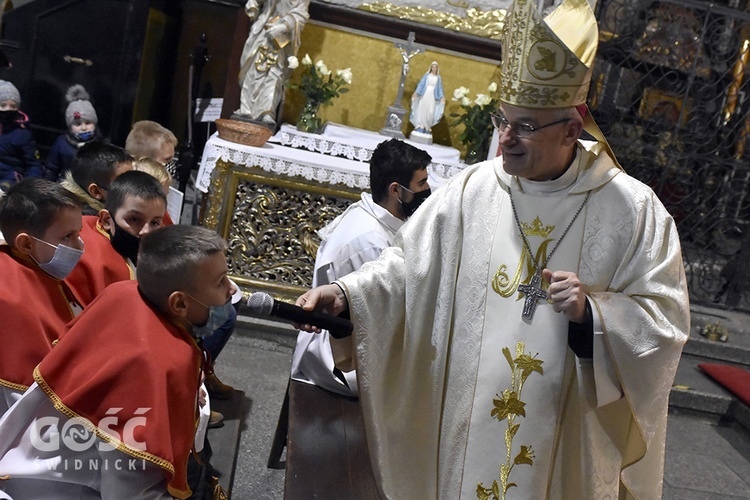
[(506, 408)]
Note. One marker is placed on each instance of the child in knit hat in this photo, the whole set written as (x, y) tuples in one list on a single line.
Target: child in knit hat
[(81, 120), (19, 157)]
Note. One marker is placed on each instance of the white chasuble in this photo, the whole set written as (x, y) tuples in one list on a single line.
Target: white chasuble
[(430, 330)]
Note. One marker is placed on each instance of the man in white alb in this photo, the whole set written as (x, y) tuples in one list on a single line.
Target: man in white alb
[(520, 338), (398, 182)]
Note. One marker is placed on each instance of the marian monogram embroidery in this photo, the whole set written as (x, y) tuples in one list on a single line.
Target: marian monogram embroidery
[(507, 407), (505, 286)]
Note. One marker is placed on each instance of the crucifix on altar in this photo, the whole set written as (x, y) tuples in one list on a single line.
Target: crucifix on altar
[(394, 119)]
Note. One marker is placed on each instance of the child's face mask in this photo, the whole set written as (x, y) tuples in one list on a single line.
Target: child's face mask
[(63, 261), (82, 130)]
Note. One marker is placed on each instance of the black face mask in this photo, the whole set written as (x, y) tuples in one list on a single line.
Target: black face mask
[(409, 207), (125, 243), (8, 117)]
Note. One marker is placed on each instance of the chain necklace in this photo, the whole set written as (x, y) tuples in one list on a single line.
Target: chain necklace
[(533, 291)]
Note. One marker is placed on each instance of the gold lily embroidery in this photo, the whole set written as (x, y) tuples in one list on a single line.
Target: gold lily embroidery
[(507, 407)]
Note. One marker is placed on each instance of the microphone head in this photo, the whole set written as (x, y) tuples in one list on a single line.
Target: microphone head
[(260, 304)]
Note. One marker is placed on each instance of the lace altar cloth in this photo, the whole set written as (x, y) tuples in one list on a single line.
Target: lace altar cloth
[(338, 156)]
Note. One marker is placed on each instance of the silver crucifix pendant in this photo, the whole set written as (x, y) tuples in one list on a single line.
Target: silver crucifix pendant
[(533, 292)]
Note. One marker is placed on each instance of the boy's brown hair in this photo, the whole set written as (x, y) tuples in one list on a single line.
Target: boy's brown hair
[(31, 205)]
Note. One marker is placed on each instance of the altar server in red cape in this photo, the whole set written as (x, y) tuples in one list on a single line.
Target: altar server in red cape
[(40, 221), (113, 410), (135, 206)]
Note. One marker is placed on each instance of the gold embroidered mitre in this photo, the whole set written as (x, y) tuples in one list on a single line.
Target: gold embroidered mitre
[(547, 63)]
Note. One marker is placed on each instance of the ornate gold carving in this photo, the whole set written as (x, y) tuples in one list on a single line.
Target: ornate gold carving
[(507, 407), (271, 225), (216, 194), (487, 24), (536, 229)]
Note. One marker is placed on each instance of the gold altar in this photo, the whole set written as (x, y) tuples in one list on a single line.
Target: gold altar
[(268, 202), (270, 221)]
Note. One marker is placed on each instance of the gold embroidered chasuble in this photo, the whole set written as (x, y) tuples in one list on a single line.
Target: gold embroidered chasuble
[(545, 209), (430, 330)]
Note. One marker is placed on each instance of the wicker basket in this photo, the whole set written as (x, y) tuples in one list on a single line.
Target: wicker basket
[(246, 133)]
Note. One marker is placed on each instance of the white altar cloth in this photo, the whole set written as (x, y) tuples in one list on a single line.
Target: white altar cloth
[(338, 156), (355, 143)]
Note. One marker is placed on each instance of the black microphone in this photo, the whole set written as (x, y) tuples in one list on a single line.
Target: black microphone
[(262, 305)]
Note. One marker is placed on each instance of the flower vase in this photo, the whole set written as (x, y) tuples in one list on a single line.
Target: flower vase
[(308, 120)]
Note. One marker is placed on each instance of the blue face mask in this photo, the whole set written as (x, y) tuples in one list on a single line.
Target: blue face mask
[(84, 136), (64, 260), (217, 316)]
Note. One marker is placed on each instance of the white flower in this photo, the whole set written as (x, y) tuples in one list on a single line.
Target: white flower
[(345, 74), (460, 93), (322, 68), (292, 62), (482, 100), (492, 87), (465, 101), (306, 60)]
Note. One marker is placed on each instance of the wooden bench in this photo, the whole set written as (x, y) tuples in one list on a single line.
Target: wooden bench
[(327, 455)]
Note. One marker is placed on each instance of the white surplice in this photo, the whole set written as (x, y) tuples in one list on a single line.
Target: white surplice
[(46, 455), (430, 329), (356, 236)]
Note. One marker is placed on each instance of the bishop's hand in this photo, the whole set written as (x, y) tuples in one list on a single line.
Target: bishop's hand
[(566, 294), (330, 298)]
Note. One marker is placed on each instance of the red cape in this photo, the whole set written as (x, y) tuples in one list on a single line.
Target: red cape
[(34, 307), (100, 264), (122, 353)]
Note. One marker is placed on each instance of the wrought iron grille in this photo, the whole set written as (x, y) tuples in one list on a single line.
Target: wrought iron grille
[(671, 92)]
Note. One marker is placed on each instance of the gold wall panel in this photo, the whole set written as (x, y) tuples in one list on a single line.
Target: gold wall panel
[(376, 66)]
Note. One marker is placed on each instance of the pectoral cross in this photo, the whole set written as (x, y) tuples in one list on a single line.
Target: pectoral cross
[(534, 293)]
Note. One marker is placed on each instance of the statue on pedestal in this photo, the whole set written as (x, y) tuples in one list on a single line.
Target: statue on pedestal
[(427, 105), (274, 36)]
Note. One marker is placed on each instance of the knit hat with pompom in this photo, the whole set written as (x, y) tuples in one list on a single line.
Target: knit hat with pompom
[(79, 107)]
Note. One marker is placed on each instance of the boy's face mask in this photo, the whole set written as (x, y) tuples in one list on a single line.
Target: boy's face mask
[(63, 261), (125, 243), (217, 316)]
